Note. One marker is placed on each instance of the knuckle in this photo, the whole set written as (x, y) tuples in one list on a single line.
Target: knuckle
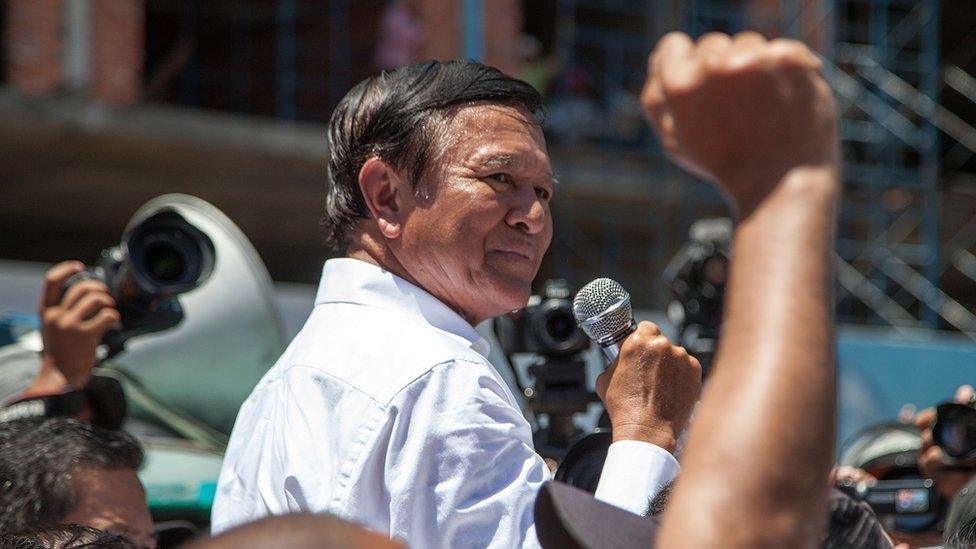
[(50, 316), (749, 35), (659, 343), (64, 323)]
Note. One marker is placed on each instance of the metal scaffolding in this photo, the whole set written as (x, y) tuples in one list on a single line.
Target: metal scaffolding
[(883, 59)]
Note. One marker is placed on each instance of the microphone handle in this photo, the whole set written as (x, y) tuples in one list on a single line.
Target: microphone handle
[(611, 344)]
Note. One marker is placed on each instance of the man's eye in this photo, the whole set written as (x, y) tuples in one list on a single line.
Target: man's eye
[(543, 193), (501, 178)]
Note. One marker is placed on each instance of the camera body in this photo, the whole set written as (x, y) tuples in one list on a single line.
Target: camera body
[(910, 496), (545, 326), (547, 329), (697, 276), (955, 431), (158, 259)]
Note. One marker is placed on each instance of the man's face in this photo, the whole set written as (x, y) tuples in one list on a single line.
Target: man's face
[(112, 500), (476, 228)]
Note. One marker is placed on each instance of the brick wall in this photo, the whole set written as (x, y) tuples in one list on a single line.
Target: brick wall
[(118, 31), (443, 27), (503, 26), (34, 48), (33, 45), (441, 20)]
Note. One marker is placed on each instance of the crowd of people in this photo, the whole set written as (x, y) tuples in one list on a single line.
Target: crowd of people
[(384, 423)]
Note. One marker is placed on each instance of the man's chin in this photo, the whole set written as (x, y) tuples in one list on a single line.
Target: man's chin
[(508, 299)]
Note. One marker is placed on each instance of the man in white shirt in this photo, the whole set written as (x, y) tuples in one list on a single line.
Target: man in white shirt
[(384, 410)]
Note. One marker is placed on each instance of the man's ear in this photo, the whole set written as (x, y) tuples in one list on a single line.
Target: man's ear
[(380, 186)]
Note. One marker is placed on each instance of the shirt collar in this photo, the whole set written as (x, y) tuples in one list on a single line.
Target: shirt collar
[(347, 280)]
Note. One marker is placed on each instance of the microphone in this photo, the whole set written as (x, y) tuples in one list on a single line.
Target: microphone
[(602, 309)]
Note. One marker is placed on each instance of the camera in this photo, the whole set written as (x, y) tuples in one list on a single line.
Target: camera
[(545, 326), (911, 496), (955, 430), (697, 277), (547, 329), (905, 504), (158, 259)]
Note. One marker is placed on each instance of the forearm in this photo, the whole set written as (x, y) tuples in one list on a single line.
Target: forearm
[(764, 433)]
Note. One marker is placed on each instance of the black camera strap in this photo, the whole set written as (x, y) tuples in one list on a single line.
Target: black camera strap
[(68, 403), (103, 394)]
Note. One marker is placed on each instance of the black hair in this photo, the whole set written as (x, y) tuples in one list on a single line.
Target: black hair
[(37, 459), (394, 116), (963, 537), (64, 536), (960, 525), (852, 523)]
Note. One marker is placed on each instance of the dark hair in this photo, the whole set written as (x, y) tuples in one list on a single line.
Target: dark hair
[(963, 537), (394, 116), (960, 526), (852, 523), (38, 457), (64, 536)]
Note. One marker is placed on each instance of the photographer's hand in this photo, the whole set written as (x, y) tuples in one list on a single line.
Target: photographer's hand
[(948, 479), (650, 390), (72, 325)]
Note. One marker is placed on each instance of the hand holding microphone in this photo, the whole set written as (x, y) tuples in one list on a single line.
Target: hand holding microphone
[(650, 388)]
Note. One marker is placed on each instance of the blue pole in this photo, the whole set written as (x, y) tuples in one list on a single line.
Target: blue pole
[(474, 29)]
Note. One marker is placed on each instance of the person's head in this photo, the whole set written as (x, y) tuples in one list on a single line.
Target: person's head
[(852, 523), (963, 537), (298, 531), (439, 173), (61, 470), (64, 536), (960, 527)]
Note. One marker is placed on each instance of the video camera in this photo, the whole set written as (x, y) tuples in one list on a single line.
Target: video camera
[(697, 277), (158, 259), (547, 329)]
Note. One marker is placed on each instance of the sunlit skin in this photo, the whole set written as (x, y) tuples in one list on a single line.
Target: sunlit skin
[(473, 232), (112, 500)]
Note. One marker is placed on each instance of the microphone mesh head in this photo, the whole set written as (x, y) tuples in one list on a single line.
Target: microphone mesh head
[(595, 299)]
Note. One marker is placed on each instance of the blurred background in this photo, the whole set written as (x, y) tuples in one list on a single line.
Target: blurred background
[(105, 104)]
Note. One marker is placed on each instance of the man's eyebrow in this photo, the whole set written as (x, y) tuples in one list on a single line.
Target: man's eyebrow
[(498, 161)]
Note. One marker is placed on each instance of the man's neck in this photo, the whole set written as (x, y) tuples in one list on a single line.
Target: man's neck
[(368, 250)]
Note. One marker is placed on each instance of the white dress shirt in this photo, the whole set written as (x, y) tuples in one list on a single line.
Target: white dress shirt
[(385, 411)]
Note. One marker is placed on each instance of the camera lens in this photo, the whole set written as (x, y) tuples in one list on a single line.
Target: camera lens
[(554, 328), (560, 326), (164, 263)]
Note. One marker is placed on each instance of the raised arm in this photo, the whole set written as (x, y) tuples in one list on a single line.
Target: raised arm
[(757, 118)]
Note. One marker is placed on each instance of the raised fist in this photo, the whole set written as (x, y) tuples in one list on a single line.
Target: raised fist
[(741, 111)]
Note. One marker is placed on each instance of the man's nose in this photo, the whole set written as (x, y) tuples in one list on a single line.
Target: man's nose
[(529, 214)]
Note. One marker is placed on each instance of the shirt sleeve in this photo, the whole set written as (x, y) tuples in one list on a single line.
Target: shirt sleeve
[(462, 470), (634, 473)]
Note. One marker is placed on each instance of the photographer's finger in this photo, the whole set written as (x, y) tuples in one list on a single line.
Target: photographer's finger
[(105, 320), (54, 280), (925, 419), (965, 394), (79, 290), (89, 305)]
